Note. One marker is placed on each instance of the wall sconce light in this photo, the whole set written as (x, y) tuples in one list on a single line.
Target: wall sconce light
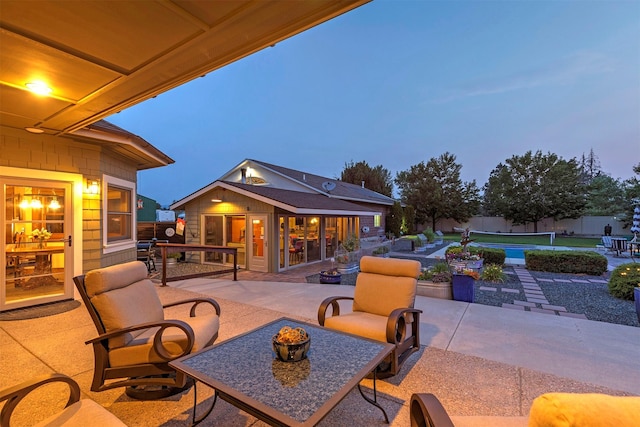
[(93, 186)]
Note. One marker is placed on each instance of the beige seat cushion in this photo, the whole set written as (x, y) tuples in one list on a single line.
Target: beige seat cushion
[(114, 277), (390, 266), (140, 350), (83, 413), (382, 294), (128, 306), (358, 323), (385, 284), (584, 409)]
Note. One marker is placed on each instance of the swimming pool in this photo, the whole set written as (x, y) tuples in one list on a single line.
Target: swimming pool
[(517, 251)]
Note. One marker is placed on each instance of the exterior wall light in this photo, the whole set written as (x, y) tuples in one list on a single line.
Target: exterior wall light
[(93, 187)]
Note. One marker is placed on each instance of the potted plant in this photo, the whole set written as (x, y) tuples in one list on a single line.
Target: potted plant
[(459, 257), (172, 258), (330, 277), (381, 251), (348, 255), (430, 236), (435, 282), (463, 284)]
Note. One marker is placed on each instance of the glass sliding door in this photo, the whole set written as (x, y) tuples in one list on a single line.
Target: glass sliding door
[(312, 236), (331, 236), (213, 235), (236, 237), (225, 230), (36, 249), (283, 248), (258, 243)]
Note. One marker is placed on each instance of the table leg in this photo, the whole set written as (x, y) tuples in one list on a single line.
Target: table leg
[(197, 420), (374, 401)]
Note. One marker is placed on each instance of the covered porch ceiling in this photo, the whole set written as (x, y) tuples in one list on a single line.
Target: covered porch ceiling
[(100, 57)]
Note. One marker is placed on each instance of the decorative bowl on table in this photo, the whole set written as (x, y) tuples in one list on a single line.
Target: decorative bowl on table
[(291, 344)]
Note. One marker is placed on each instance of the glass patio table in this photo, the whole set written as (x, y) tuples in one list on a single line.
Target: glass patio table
[(244, 371)]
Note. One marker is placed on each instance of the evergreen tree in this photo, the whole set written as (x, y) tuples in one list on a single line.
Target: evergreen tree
[(377, 179)]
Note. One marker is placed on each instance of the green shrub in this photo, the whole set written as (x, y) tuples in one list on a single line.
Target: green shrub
[(493, 256), (572, 262), (438, 273), (417, 242), (473, 250), (623, 279), (429, 234), (381, 250), (489, 255), (492, 273)]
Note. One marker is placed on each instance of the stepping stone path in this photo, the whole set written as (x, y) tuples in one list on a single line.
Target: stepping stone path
[(535, 299)]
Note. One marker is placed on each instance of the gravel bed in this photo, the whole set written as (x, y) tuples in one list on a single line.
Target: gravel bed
[(591, 299)]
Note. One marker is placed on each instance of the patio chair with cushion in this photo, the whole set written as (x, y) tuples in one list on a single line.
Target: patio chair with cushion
[(76, 412), (382, 308), (547, 410), (136, 342)]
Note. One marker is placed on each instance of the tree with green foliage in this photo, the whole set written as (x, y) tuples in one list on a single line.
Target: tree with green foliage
[(409, 220), (605, 197), (632, 196), (377, 179), (394, 219), (436, 191), (526, 189)]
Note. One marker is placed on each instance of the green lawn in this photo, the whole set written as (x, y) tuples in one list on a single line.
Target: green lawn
[(570, 241)]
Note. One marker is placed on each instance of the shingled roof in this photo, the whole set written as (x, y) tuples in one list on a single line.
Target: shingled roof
[(342, 190), (297, 202)]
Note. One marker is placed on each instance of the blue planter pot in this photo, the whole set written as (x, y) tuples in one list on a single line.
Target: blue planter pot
[(330, 279), (463, 288), (636, 297)]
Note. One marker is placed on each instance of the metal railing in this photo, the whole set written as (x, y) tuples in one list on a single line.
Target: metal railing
[(172, 248)]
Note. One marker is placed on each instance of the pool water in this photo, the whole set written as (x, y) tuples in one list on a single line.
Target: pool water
[(514, 253), (511, 251)]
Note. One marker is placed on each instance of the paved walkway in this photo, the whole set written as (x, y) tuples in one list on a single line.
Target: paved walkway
[(535, 299)]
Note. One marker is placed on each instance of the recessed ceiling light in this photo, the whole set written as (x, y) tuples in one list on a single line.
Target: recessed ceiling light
[(39, 88), (34, 130)]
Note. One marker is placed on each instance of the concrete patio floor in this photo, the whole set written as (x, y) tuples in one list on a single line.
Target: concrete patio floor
[(481, 361)]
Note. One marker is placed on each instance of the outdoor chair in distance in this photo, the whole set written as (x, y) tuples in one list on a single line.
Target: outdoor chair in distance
[(382, 308), (147, 253), (608, 244), (136, 342), (77, 412), (439, 237)]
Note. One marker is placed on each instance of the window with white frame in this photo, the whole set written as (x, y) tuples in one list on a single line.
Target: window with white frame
[(118, 214)]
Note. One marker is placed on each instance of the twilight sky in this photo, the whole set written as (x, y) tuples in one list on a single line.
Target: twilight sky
[(397, 82)]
